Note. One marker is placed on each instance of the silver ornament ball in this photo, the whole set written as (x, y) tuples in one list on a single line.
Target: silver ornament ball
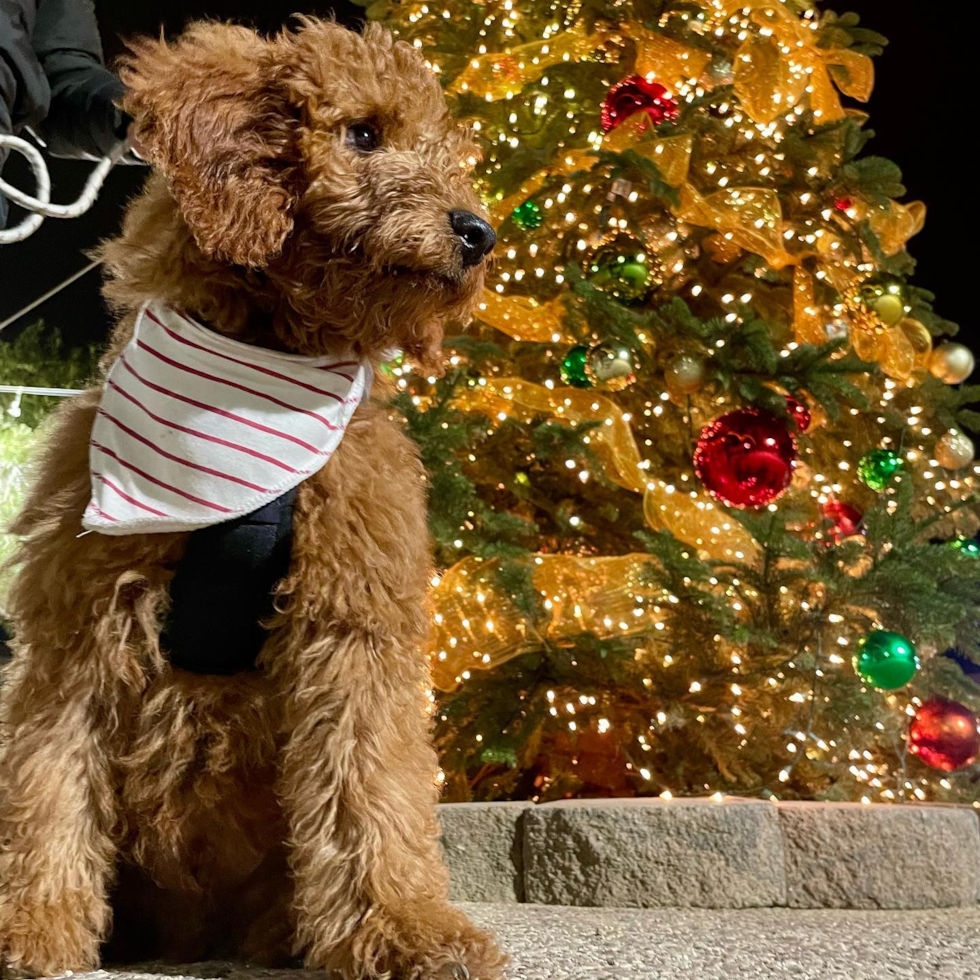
[(611, 365), (951, 363), (954, 450)]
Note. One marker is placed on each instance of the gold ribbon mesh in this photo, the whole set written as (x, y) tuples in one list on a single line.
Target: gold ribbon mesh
[(774, 71), (662, 58), (505, 73), (751, 217), (612, 440), (690, 515), (523, 317), (477, 627)]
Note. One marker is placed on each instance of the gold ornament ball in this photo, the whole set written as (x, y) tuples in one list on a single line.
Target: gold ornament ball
[(916, 334), (611, 365), (951, 363), (890, 307), (954, 450), (684, 374)]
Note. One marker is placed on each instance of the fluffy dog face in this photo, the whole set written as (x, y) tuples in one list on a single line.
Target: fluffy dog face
[(325, 166)]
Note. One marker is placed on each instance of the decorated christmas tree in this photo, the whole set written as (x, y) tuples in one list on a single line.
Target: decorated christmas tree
[(701, 490)]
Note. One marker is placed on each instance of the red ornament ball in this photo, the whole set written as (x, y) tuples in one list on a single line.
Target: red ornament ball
[(944, 734), (799, 413), (843, 203), (845, 520), (745, 458), (635, 94)]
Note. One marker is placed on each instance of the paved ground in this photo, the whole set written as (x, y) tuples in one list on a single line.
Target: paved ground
[(550, 943)]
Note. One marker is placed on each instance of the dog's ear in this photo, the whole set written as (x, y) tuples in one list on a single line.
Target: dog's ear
[(210, 113)]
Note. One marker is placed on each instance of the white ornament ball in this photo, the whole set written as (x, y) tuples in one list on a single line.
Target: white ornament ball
[(684, 374), (951, 363), (837, 327), (954, 450)]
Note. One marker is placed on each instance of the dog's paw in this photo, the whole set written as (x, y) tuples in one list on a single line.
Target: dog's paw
[(453, 971), (473, 957), (425, 943)]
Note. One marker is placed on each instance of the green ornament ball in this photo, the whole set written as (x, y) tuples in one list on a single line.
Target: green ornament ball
[(397, 361), (969, 546), (878, 466), (528, 216), (574, 367), (623, 271), (885, 660)]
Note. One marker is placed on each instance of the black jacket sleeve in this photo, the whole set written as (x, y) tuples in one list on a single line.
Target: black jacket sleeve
[(24, 93), (23, 87), (83, 119)]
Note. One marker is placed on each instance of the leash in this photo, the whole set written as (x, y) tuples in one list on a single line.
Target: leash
[(41, 206), (46, 296)]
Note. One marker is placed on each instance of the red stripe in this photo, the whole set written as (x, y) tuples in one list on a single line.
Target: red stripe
[(255, 367), (126, 496), (194, 323), (203, 435), (98, 510), (219, 411), (235, 384), (160, 483), (337, 364), (179, 459)]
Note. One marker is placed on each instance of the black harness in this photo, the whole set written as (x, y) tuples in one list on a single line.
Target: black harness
[(223, 587)]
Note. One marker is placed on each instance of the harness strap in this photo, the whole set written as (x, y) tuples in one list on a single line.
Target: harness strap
[(223, 587)]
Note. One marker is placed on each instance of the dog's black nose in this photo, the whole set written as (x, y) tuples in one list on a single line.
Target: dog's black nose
[(475, 234)]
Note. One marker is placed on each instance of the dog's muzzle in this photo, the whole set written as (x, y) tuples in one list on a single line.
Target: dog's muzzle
[(475, 235)]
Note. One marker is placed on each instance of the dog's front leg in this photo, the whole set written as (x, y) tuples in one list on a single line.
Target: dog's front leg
[(57, 812), (358, 785)]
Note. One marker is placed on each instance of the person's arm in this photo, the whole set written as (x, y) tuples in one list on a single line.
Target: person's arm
[(23, 88), (83, 119)]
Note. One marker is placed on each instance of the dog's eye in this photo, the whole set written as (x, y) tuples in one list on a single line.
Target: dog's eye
[(363, 137)]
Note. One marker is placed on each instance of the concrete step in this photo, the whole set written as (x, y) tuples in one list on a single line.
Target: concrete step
[(706, 853), (555, 943)]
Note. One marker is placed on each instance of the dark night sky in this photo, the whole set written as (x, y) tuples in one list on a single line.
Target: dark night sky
[(918, 111)]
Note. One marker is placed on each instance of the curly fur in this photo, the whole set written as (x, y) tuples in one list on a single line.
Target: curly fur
[(288, 811)]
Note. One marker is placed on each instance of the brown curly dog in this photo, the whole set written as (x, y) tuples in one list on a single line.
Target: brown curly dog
[(301, 203)]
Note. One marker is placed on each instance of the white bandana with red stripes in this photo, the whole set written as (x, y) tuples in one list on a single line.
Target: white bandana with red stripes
[(195, 428)]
